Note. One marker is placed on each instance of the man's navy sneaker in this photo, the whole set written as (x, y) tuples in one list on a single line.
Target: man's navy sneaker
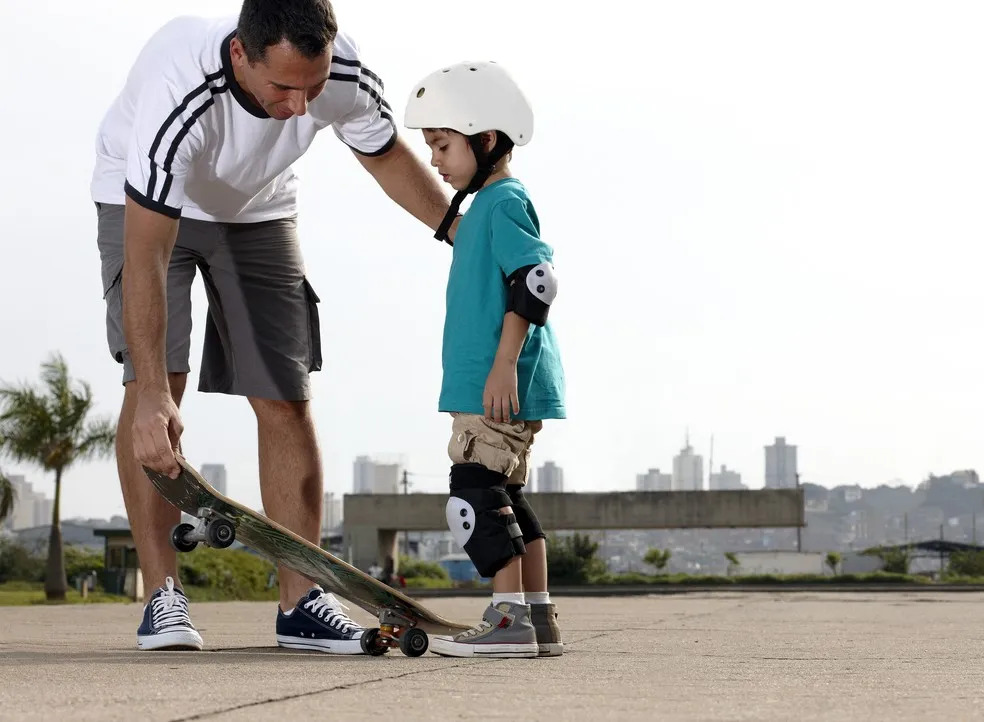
[(166, 624), (318, 623)]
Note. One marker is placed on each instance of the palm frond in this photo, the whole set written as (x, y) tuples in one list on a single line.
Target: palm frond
[(98, 441), (49, 425), (8, 496)]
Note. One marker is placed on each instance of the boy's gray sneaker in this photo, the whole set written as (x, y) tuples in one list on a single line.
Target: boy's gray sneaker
[(544, 619), (505, 631)]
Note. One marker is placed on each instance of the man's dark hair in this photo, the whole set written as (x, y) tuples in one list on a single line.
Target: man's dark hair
[(308, 25)]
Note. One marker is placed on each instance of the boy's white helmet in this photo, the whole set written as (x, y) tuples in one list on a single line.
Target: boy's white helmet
[(471, 97)]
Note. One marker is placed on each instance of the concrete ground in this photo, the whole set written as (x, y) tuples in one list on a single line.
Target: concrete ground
[(721, 656)]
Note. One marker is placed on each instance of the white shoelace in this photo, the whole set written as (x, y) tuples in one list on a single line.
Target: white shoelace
[(170, 609), (328, 608), (480, 628)]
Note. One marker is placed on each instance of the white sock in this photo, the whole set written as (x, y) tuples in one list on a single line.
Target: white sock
[(538, 597), (511, 597)]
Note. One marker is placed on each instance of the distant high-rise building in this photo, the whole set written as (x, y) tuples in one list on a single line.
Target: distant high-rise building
[(780, 465), (386, 479), (362, 475), (550, 479), (372, 477), (688, 470), (725, 480), (654, 480), (19, 517), (331, 512), (215, 475)]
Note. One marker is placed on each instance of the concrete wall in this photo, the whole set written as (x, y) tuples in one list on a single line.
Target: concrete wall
[(371, 519), (782, 562)]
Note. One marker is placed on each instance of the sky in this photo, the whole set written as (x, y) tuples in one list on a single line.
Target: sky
[(766, 219)]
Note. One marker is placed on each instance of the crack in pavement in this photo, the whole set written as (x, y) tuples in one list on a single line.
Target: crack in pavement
[(347, 685)]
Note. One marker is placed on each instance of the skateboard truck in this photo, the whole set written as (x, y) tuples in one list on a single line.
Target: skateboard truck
[(211, 528), (394, 630)]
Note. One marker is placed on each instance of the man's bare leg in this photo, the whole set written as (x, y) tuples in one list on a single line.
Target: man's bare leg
[(290, 479), (151, 516)]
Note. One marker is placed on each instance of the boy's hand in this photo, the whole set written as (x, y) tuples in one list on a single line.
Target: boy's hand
[(501, 392)]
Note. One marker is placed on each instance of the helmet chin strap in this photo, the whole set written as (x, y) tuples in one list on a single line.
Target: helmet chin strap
[(486, 166)]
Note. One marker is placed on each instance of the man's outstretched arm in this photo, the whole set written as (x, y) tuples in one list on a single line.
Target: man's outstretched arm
[(148, 240), (409, 182)]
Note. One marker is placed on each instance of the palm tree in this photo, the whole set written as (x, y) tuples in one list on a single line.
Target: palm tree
[(50, 426), (7, 496)]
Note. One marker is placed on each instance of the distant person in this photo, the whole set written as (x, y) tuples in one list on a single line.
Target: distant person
[(376, 571), (193, 173), (502, 368)]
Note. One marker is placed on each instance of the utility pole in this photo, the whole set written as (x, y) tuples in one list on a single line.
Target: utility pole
[(406, 534), (941, 549), (799, 528)]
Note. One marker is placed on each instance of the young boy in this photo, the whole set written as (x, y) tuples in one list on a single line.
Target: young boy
[(502, 368)]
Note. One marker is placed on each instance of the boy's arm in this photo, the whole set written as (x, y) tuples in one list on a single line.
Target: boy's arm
[(501, 387), (514, 329)]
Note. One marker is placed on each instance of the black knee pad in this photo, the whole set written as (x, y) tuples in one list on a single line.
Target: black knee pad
[(490, 539), (528, 523)]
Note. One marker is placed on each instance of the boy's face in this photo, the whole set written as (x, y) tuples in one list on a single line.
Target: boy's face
[(452, 156)]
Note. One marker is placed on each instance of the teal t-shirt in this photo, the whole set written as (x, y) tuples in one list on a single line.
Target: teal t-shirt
[(499, 234)]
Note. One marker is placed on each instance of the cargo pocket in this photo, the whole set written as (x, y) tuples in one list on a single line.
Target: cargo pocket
[(314, 326), (460, 446), (113, 296)]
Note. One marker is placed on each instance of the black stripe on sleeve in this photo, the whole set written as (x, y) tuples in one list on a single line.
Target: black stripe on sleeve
[(149, 203), (379, 81), (345, 61), (384, 108), (382, 151), (170, 119), (180, 135)]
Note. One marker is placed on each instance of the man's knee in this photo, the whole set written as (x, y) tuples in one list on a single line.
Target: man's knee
[(279, 412), (491, 539)]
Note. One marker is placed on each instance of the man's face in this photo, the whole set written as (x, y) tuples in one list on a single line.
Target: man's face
[(284, 82), (452, 156)]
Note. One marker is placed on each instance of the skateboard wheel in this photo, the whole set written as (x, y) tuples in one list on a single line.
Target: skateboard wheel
[(414, 642), (220, 534), (371, 644), (178, 540)]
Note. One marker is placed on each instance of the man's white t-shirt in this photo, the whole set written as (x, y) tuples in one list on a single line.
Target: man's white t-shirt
[(184, 139)]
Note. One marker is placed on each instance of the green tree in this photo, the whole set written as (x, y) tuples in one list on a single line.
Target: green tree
[(733, 562), (833, 560), (967, 564), (658, 558), (573, 559), (50, 426), (8, 497), (410, 567), (894, 560)]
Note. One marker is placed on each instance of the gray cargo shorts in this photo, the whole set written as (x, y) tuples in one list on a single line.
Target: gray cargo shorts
[(262, 333)]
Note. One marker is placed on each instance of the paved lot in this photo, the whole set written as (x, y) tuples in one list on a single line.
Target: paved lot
[(721, 656)]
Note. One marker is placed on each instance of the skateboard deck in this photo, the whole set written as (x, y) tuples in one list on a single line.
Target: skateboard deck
[(222, 521)]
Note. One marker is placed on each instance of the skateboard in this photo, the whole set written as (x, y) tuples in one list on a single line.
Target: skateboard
[(403, 622)]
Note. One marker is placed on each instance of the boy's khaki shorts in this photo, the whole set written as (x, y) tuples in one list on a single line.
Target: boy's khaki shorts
[(502, 447)]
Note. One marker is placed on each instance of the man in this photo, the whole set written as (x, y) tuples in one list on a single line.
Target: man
[(193, 172)]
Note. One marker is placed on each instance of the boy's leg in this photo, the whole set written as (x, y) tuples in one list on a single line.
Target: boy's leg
[(483, 523), (543, 613)]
